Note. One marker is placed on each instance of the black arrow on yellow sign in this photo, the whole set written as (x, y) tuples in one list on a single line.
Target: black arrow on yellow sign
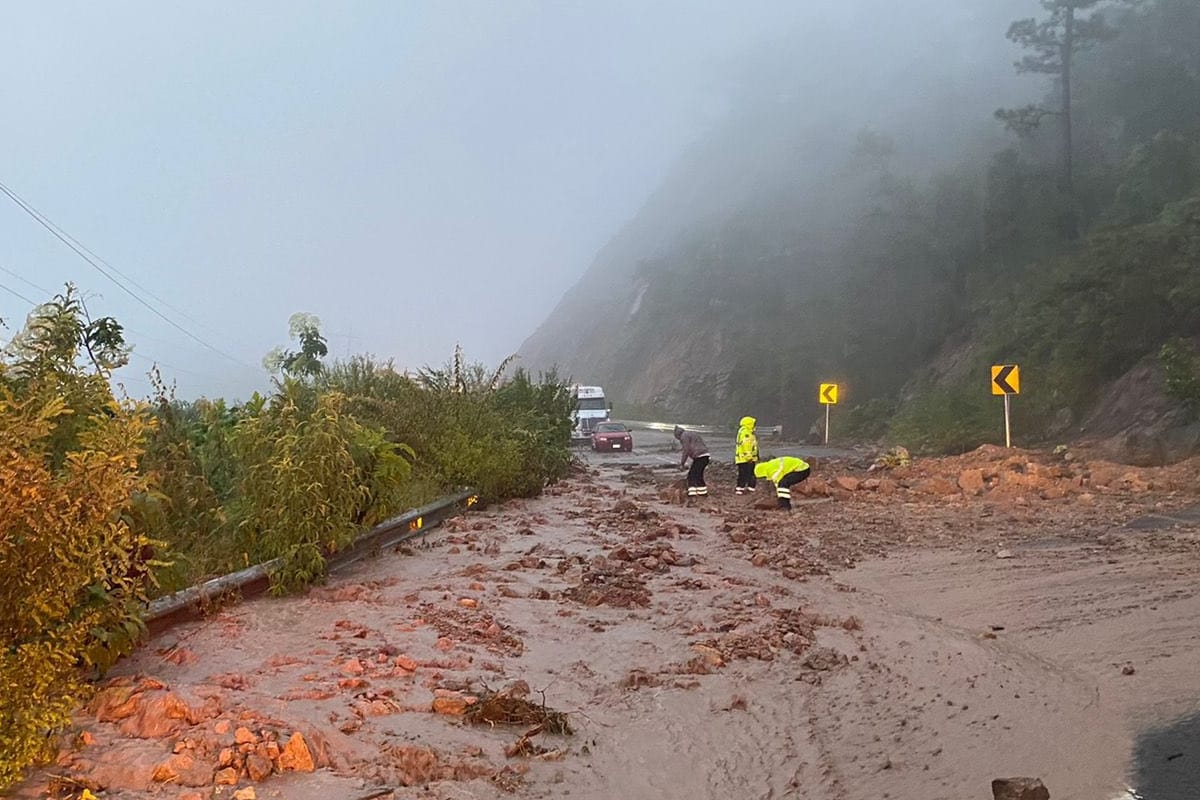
[(1000, 378), (829, 393)]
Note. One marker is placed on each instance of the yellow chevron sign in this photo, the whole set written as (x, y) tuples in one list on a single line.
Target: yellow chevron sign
[(829, 394), (1006, 379)]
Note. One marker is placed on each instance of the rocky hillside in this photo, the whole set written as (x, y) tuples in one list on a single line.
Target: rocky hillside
[(901, 245)]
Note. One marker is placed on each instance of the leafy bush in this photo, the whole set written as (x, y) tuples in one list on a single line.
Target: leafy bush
[(190, 519), (1181, 368), (466, 425), (866, 422), (74, 559), (88, 485), (948, 420), (310, 480)]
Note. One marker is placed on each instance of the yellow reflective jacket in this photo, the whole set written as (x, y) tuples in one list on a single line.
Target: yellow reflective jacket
[(776, 468), (747, 442)]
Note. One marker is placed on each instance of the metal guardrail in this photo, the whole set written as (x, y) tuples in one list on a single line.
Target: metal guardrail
[(164, 611), (762, 430)]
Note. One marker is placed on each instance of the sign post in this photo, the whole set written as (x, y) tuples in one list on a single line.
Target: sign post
[(1006, 380), (828, 397)]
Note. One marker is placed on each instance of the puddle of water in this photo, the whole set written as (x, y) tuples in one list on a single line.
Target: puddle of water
[(1167, 762)]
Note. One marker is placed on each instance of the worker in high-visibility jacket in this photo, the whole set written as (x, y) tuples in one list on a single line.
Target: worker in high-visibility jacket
[(746, 455), (785, 472)]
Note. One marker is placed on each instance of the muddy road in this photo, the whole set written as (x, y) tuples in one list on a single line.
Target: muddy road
[(656, 447), (898, 637)]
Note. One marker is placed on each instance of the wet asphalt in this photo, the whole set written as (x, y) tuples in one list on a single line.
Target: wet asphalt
[(658, 448), (1167, 761)]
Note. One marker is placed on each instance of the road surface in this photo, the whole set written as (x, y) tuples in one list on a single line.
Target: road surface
[(658, 448), (895, 637)]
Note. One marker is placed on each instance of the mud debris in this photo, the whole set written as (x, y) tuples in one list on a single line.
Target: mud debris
[(612, 583), (471, 625), (719, 589), (1019, 789), (639, 678), (415, 765), (512, 707)]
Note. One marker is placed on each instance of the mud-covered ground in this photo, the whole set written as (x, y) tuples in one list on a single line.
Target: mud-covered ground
[(909, 633)]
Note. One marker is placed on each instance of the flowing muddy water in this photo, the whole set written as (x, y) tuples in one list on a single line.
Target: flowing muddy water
[(1122, 616), (706, 651)]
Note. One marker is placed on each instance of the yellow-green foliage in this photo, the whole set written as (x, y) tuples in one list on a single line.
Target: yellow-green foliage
[(72, 499), (71, 562), (467, 426), (311, 477)]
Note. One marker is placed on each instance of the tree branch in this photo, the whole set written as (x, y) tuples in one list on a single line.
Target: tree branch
[(1024, 121)]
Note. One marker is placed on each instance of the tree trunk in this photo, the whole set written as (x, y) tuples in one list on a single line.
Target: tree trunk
[(1070, 221), (1068, 52)]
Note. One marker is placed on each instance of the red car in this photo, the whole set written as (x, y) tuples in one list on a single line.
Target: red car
[(611, 436)]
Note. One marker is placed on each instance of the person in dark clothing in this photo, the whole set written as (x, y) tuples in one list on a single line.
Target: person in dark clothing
[(695, 449)]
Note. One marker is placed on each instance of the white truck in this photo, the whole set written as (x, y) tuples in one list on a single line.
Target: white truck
[(590, 407)]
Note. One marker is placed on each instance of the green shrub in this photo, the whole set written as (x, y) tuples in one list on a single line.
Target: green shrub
[(75, 564), (1181, 369), (866, 422), (310, 480), (466, 426), (948, 420)]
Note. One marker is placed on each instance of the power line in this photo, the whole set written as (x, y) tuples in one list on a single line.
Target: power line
[(149, 359), (82, 252), (15, 293), (109, 266), (26, 281), (158, 361)]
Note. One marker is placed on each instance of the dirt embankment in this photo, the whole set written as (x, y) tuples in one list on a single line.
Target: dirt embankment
[(910, 633)]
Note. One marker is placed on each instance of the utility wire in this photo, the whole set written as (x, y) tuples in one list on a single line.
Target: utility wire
[(15, 293), (26, 281), (82, 252), (92, 254), (134, 354)]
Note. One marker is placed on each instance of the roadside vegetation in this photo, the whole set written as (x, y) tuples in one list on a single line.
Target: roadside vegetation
[(106, 501)]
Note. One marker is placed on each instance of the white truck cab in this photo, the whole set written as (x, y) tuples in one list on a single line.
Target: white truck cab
[(590, 407)]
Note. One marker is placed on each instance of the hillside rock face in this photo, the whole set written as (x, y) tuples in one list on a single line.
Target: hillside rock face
[(1135, 421), (799, 244), (726, 294), (641, 322)]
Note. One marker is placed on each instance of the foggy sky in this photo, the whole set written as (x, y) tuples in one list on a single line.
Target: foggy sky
[(413, 173)]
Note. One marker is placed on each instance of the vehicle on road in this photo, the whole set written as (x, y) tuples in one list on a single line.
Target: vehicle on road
[(591, 407), (611, 436)]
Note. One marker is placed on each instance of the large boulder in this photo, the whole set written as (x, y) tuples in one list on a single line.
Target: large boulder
[(971, 481), (296, 757)]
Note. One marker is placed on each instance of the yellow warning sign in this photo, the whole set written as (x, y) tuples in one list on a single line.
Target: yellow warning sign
[(829, 394), (1006, 379)]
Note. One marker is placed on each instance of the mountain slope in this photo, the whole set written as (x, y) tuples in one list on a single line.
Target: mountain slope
[(897, 250)]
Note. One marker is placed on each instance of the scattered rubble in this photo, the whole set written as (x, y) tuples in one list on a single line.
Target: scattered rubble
[(612, 583)]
